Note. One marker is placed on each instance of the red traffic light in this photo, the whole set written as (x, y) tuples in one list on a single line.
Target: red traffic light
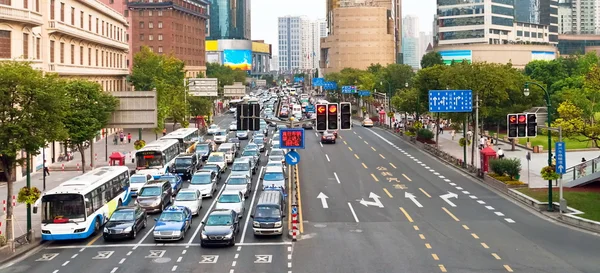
[(332, 108), (512, 119), (321, 109), (522, 119)]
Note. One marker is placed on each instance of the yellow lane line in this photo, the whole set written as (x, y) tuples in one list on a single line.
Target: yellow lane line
[(406, 215), (375, 178), (355, 155), (364, 165), (341, 137), (94, 240), (435, 256), (422, 236), (290, 202), (393, 166), (508, 268), (345, 142), (373, 149), (382, 156), (416, 227), (424, 192), (496, 256), (350, 148), (474, 235), (299, 202), (404, 175), (428, 246), (465, 227), (388, 193), (484, 245), (451, 215), (366, 142), (442, 268)]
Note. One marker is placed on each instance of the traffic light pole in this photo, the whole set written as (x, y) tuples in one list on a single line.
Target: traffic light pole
[(562, 201)]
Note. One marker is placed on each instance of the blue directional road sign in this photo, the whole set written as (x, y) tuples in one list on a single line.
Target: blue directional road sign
[(310, 108), (294, 210), (291, 138), (348, 89), (298, 79), (330, 85), (561, 157), (292, 158), (318, 81), (449, 101), (364, 93)]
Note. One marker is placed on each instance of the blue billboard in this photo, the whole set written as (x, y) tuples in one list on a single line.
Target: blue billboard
[(238, 59)]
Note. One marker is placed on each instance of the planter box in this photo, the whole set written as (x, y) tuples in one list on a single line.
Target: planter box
[(495, 183)]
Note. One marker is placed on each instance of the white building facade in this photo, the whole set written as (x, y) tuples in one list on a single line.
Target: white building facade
[(312, 32), (290, 43)]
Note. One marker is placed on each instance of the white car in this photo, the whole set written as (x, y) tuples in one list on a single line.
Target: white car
[(277, 152), (213, 129), (137, 181), (233, 200), (205, 182), (233, 126), (242, 134), (218, 159), (240, 183), (276, 164), (220, 136), (190, 198)]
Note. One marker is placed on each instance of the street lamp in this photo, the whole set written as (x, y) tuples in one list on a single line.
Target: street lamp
[(389, 97), (547, 97)]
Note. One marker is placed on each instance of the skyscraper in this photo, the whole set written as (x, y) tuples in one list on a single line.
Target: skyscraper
[(579, 16), (229, 19), (312, 32), (410, 41), (290, 43)]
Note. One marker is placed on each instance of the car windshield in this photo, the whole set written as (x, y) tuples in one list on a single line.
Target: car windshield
[(213, 127), (276, 153), (229, 198), (249, 153), (137, 179), (149, 191), (274, 176), (266, 212), (171, 216), (171, 179), (274, 164), (186, 196), (201, 179), (216, 158), (259, 141), (202, 148), (240, 166), (122, 215), (220, 133), (183, 162), (234, 140), (276, 158), (251, 146), (219, 220), (237, 181)]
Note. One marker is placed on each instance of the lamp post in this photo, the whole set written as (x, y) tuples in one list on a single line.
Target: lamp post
[(389, 97), (547, 97)]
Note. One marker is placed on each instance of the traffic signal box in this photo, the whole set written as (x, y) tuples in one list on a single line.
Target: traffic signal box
[(321, 117), (346, 116), (522, 125), (248, 117), (512, 125), (332, 116), (531, 125), (254, 122)]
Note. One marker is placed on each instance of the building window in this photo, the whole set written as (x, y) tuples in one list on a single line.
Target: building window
[(25, 4), (160, 37), (150, 37), (38, 45), (160, 49), (126, 13), (37, 5), (62, 12), (72, 54), (159, 24), (97, 25), (51, 51), (25, 46), (141, 13), (90, 22), (149, 13), (52, 9), (102, 59), (72, 16), (62, 53), (81, 19), (141, 37), (89, 56), (150, 25), (160, 12), (102, 27), (152, 49), (81, 55), (96, 57), (141, 24)]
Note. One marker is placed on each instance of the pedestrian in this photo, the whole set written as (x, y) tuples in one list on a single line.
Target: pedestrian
[(453, 133), (164, 131), (582, 167), (500, 153), (122, 137), (482, 142), (129, 137), (46, 169), (116, 139), (470, 135)]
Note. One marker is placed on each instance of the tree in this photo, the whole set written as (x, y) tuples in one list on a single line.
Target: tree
[(200, 106), (31, 114), (88, 111), (430, 59), (225, 74)]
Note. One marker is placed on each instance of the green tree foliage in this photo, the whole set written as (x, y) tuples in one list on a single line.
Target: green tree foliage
[(225, 74), (31, 114), (88, 111), (430, 59), (200, 106)]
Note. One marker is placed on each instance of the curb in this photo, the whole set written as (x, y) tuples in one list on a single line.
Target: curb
[(23, 251)]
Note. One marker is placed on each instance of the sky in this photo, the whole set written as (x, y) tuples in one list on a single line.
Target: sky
[(265, 14)]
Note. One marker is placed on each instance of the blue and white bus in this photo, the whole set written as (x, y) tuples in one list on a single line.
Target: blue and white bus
[(78, 207), (157, 156), (186, 136)]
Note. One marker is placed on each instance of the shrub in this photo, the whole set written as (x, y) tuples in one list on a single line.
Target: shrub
[(514, 183), (549, 173), (138, 144), (462, 142), (503, 178), (2, 240), (424, 134), (510, 167), (28, 195)]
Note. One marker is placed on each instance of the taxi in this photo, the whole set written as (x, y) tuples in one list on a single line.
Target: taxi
[(219, 159), (367, 122), (172, 224)]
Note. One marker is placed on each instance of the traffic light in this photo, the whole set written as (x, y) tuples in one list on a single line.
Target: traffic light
[(332, 116), (238, 117), (321, 117), (346, 116), (512, 125), (254, 117), (531, 125), (522, 131), (241, 114)]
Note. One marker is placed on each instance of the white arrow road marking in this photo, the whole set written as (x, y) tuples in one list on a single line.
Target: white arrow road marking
[(376, 201), (323, 198), (413, 198), (447, 196)]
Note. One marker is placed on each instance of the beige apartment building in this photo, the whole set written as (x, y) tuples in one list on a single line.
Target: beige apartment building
[(73, 38), (359, 36)]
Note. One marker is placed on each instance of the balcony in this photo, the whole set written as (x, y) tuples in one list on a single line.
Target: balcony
[(55, 26), (78, 70), (23, 16)]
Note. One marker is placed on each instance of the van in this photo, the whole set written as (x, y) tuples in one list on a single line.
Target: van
[(230, 150), (269, 213), (297, 110)]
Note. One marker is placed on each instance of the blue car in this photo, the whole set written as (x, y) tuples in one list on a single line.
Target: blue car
[(175, 180), (172, 224)]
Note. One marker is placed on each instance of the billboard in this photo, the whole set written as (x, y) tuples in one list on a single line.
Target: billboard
[(213, 57), (542, 55), (137, 109), (458, 56), (238, 59)]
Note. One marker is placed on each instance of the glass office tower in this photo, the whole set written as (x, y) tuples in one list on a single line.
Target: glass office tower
[(229, 19)]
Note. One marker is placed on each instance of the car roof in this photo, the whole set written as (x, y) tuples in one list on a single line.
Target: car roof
[(155, 183), (272, 150), (185, 155), (241, 159), (239, 176), (230, 192), (274, 169), (221, 212), (217, 153), (174, 209), (187, 190), (204, 171)]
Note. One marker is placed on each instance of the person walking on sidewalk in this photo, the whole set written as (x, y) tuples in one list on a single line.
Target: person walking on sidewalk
[(482, 142), (453, 134), (46, 169), (116, 139), (122, 137), (500, 153), (164, 131), (129, 137)]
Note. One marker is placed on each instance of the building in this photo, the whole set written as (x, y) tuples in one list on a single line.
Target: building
[(359, 36), (565, 21), (177, 27), (290, 43), (571, 44), (261, 58), (579, 16), (274, 63), (311, 34), (229, 19), (410, 41), (121, 8), (251, 56)]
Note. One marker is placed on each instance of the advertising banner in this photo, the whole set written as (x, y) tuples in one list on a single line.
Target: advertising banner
[(238, 59)]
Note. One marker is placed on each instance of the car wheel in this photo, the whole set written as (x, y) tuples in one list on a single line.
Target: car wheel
[(232, 240), (120, 203), (334, 142), (202, 244), (134, 233), (145, 223), (97, 226), (183, 235)]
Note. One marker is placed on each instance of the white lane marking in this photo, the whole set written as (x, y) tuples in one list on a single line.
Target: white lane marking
[(206, 212), (353, 213), (251, 206), (452, 184), (289, 265), (473, 196), (55, 271), (174, 268), (66, 263), (321, 144), (233, 263), (73, 257), (499, 213), (432, 170), (423, 164), (327, 158), (466, 192), (442, 177), (447, 180), (316, 134), (179, 259), (427, 167), (459, 188), (239, 248), (81, 250), (436, 173), (183, 252), (481, 202), (509, 220), (231, 270), (336, 178), (236, 255), (489, 207), (114, 270), (139, 243), (122, 260), (129, 253)]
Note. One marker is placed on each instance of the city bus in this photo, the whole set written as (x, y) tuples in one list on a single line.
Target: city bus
[(186, 137), (157, 156), (78, 207), (233, 105)]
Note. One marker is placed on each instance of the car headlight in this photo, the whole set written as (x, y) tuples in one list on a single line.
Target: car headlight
[(105, 230), (228, 236), (156, 202), (127, 230), (204, 236), (156, 233), (255, 224), (277, 224), (176, 233)]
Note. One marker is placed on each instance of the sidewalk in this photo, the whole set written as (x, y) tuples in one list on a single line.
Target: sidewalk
[(538, 160)]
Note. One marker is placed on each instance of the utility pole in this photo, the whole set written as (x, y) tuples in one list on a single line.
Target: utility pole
[(476, 124)]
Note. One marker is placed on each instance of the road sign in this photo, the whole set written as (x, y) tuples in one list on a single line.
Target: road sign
[(238, 89), (561, 157), (292, 158), (294, 210), (298, 79), (450, 101), (291, 138), (330, 85), (318, 81), (310, 108), (203, 87), (348, 89), (364, 93)]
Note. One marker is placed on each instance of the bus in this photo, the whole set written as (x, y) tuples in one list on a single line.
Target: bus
[(78, 207), (233, 105), (157, 156), (186, 137)]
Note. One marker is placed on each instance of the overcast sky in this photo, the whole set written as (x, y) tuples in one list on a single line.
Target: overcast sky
[(266, 12)]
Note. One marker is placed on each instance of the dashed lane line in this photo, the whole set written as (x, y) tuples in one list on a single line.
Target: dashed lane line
[(337, 178), (435, 256), (388, 193), (508, 268), (382, 156), (355, 155), (327, 158), (373, 149), (496, 256), (353, 213), (394, 166), (364, 165), (442, 268), (406, 215), (374, 177), (424, 192), (350, 148), (474, 235), (484, 245), (451, 215), (405, 176)]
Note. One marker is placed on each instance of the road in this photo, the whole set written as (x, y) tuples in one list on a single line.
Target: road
[(404, 224), (250, 254)]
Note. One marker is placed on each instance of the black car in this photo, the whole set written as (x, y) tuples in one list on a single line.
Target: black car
[(185, 165), (125, 222), (220, 228), (328, 137)]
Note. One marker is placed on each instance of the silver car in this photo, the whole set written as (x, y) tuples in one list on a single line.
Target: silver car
[(205, 182), (241, 167), (233, 200), (239, 183), (242, 134), (190, 198)]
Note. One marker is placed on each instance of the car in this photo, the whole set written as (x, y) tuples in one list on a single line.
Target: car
[(185, 165), (233, 200), (125, 222), (233, 126), (136, 181), (327, 137), (212, 129), (220, 228), (253, 164), (335, 133), (203, 150), (211, 143), (189, 198), (367, 122), (260, 142), (307, 125), (251, 146), (241, 166), (240, 183), (220, 136), (214, 168), (172, 224), (277, 152), (276, 159), (151, 196), (258, 134), (175, 180), (218, 159), (235, 141), (251, 153), (273, 177), (242, 134), (277, 164), (205, 181)]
